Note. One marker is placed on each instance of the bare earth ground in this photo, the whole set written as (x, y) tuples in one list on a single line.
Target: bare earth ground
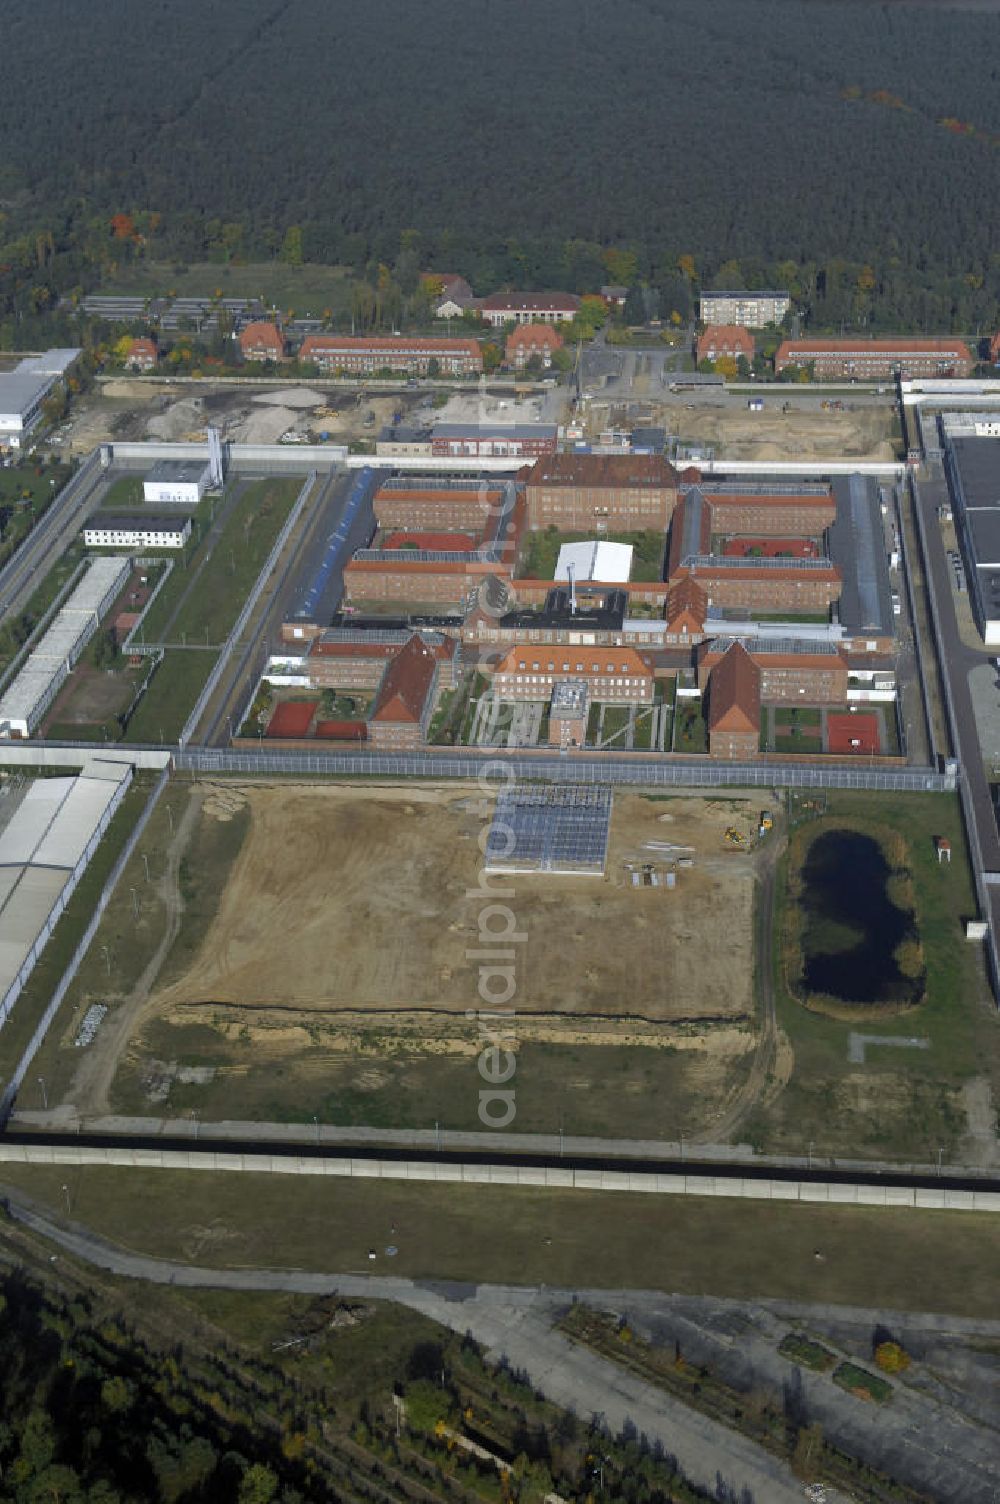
[(333, 975), (369, 901), (774, 435)]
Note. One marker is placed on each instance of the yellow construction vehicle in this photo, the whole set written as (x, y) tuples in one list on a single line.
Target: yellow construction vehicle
[(735, 837)]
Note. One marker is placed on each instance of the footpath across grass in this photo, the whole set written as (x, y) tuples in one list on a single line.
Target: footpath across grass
[(875, 1257)]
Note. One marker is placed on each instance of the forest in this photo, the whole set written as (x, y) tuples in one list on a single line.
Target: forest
[(847, 151)]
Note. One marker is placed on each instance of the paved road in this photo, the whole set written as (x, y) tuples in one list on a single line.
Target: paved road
[(513, 1323)]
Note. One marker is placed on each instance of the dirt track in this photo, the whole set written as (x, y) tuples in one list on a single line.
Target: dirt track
[(798, 434), (366, 900)]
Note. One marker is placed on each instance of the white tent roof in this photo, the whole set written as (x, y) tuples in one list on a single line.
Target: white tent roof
[(609, 563)]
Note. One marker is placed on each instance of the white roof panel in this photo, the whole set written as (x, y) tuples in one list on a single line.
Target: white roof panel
[(610, 563), (78, 819), (32, 820)]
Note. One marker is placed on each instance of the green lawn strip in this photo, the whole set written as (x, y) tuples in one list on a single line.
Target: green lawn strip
[(173, 689), (878, 1257), (794, 741), (124, 944), (309, 289), (125, 493), (541, 551), (691, 733), (616, 719), (182, 576), (792, 715), (859, 1382), (237, 558), (804, 1350), (910, 1111), (38, 989)]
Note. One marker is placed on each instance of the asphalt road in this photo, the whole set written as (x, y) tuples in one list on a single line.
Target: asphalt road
[(510, 1322)]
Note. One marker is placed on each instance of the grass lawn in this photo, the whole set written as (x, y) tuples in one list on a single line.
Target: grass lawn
[(131, 943), (691, 732), (901, 1104), (616, 718), (125, 493), (935, 1261), (57, 953), (541, 550), (175, 686), (865, 1385), (796, 741), (804, 1350), (236, 560), (309, 290), (794, 715)]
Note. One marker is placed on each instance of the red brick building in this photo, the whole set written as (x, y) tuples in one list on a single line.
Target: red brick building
[(687, 608), (366, 354), (142, 355), (800, 586), (454, 508), (780, 514), (734, 707), (869, 360), (725, 339), (601, 492), (613, 675), (262, 341), (792, 672), (532, 339), (403, 706)]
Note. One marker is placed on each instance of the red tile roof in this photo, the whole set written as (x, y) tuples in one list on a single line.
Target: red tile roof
[(406, 685), (595, 660), (687, 599), (262, 335), (719, 339), (533, 337), (353, 344), (734, 693), (621, 471), (141, 346), (914, 344)]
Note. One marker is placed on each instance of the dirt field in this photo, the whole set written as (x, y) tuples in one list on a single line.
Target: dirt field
[(734, 432), (366, 900)]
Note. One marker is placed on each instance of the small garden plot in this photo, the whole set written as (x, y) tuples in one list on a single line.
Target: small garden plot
[(801, 1349), (862, 1384)]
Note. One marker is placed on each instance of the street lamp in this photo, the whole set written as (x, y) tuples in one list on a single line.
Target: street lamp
[(45, 1095)]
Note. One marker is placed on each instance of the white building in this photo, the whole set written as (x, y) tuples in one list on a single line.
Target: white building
[(750, 309), (47, 666), (177, 482), (608, 563), (24, 390), (136, 530)]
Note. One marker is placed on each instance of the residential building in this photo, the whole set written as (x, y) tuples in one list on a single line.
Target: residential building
[(532, 339), (142, 355), (614, 296), (734, 707), (262, 340), (364, 354), (529, 308), (751, 309), (23, 392), (402, 711), (869, 360), (601, 492), (136, 530), (452, 294), (613, 675), (730, 340)]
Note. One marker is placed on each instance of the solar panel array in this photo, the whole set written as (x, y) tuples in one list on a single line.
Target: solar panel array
[(751, 561), (550, 829)]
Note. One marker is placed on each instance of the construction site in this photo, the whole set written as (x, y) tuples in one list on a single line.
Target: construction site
[(340, 933)]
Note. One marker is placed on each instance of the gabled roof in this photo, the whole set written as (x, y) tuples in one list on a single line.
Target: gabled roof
[(534, 334), (687, 601), (262, 335), (141, 346), (406, 684), (912, 344), (595, 660), (723, 337), (734, 693), (330, 344), (621, 471)]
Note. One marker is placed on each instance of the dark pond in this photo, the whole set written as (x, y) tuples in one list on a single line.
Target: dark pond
[(851, 926)]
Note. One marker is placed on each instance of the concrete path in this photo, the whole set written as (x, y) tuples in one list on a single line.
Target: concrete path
[(857, 1044), (509, 1322)]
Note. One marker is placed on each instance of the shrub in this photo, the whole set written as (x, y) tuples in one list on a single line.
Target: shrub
[(892, 1358)]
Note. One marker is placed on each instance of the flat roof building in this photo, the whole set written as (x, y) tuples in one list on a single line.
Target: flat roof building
[(750, 309), (973, 468), (177, 482), (23, 392), (136, 530)]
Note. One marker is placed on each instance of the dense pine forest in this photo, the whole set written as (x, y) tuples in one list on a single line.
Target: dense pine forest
[(851, 151)]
